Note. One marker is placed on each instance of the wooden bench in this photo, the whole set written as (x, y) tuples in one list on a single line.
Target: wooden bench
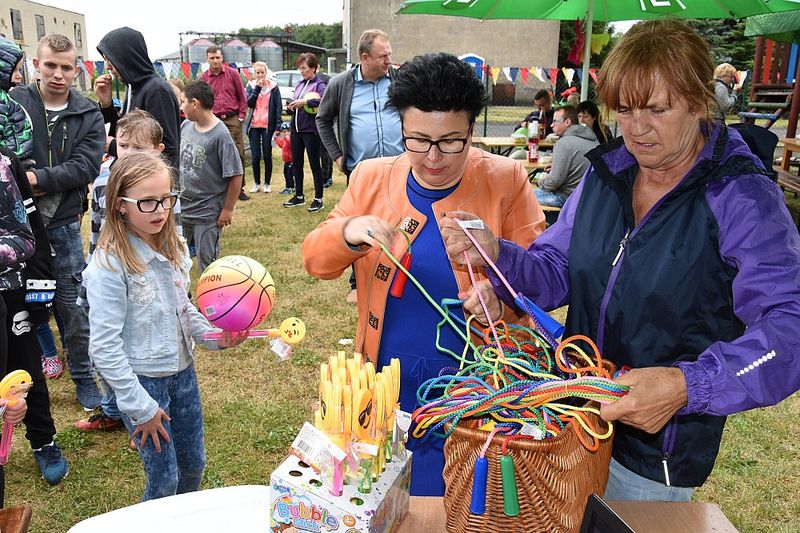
[(789, 182), (550, 214)]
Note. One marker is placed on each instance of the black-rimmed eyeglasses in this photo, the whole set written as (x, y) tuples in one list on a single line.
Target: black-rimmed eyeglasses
[(445, 146), (149, 205)]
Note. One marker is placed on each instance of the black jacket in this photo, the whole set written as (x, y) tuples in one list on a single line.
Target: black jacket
[(126, 50), (67, 156), (38, 273)]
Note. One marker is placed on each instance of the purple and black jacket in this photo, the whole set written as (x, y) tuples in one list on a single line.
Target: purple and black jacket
[(709, 281)]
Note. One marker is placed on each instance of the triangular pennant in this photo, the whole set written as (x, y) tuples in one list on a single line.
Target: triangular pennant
[(88, 66), (544, 75), (187, 71), (495, 72), (159, 69), (507, 72), (31, 69), (524, 72), (247, 75), (599, 41), (195, 70), (537, 73), (204, 67), (569, 74), (514, 71), (579, 74), (553, 76), (593, 74), (99, 67)]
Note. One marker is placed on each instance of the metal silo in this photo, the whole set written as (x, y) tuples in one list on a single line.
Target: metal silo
[(196, 51), (236, 51), (270, 53)]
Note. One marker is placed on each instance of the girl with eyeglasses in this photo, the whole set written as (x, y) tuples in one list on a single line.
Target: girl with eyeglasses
[(143, 326)]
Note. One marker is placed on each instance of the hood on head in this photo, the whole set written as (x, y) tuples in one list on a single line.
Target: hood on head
[(579, 130), (127, 51), (10, 54)]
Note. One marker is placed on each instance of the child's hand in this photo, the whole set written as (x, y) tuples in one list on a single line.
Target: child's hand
[(152, 429), (16, 412), (229, 339)]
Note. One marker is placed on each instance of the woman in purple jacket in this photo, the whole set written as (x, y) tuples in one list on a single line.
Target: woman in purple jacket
[(307, 95), (677, 255)]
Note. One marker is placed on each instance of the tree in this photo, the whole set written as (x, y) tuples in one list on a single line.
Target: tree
[(567, 40), (727, 42)]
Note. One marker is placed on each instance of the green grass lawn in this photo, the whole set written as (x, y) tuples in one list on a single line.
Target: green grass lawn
[(255, 404)]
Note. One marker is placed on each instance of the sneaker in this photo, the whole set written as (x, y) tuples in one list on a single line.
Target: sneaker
[(352, 297), (254, 188), (328, 183), (294, 201), (52, 464), (87, 393), (316, 205), (242, 196), (99, 421), (287, 190), (267, 188), (52, 367)]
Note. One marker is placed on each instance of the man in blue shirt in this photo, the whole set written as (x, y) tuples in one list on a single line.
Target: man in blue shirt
[(356, 100)]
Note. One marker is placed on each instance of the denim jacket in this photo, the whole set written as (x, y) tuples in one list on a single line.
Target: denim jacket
[(134, 324)]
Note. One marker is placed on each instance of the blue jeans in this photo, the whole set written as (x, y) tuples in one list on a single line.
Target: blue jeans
[(68, 264), (46, 340), (179, 467), (626, 485), (261, 149), (549, 198)]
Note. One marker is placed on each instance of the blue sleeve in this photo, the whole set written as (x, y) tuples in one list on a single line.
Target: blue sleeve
[(757, 237)]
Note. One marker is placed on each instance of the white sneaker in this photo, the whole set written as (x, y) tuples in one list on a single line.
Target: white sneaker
[(254, 188), (267, 188)]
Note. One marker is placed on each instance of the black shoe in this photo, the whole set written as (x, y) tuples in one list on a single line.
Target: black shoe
[(328, 183), (316, 205), (242, 196), (294, 201)]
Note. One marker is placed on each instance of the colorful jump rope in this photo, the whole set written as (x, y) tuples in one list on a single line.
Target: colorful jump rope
[(513, 383)]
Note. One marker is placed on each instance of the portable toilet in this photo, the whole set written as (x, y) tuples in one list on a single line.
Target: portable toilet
[(236, 51), (195, 50), (270, 53)]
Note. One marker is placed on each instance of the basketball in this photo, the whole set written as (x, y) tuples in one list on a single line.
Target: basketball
[(235, 293), (311, 96)]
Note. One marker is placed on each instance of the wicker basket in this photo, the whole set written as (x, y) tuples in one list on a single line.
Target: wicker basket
[(554, 479)]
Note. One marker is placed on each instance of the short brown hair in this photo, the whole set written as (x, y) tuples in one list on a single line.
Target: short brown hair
[(668, 49), (724, 69), (309, 59), (141, 125), (55, 42), (368, 38), (570, 112), (213, 48)]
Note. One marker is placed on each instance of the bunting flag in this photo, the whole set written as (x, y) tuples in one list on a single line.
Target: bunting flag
[(507, 72), (187, 70), (593, 74), (514, 71), (599, 41), (575, 55), (99, 67), (204, 66), (553, 77), (524, 73), (537, 73), (159, 69), (569, 74), (195, 70), (88, 66), (246, 73), (494, 73), (31, 69), (579, 74)]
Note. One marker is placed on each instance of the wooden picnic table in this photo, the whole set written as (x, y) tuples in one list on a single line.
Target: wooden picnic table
[(505, 145)]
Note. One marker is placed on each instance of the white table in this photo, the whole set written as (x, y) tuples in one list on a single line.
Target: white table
[(242, 509)]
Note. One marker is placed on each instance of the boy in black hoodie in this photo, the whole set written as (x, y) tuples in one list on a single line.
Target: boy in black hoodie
[(126, 56)]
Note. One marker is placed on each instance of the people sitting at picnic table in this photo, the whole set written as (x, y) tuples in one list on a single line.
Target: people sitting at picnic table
[(726, 90), (396, 202), (569, 158), (589, 115), (544, 108), (677, 255)]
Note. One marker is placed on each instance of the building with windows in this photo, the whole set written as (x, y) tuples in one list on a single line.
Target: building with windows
[(26, 22)]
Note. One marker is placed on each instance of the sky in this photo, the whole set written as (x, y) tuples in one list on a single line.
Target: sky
[(160, 21)]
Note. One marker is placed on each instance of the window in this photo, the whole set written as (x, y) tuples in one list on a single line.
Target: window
[(40, 31), (16, 24), (78, 36)]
